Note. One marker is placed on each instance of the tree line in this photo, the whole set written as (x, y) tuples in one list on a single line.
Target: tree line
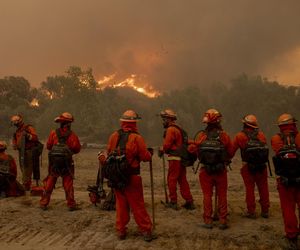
[(97, 111)]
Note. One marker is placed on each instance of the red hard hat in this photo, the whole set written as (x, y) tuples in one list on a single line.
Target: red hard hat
[(130, 116), (212, 116), (64, 117), (251, 121), (286, 119), (168, 113)]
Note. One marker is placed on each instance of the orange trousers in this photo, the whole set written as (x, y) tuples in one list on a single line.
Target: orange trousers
[(289, 198), (177, 174), (49, 184), (132, 198), (207, 183), (261, 180)]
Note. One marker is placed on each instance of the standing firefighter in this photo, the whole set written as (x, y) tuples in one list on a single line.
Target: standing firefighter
[(25, 140), (255, 155), (62, 144), (9, 186), (214, 153), (126, 149), (286, 145), (174, 140)]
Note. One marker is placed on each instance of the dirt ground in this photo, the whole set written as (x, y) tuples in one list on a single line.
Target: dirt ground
[(24, 226)]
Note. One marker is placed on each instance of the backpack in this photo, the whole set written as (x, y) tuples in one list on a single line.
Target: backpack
[(212, 153), (116, 167), (256, 152), (4, 167), (287, 162), (60, 156), (187, 159)]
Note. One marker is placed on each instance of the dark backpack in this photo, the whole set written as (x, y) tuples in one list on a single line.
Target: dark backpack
[(60, 156), (187, 159), (287, 162), (116, 167), (4, 173), (4, 167), (256, 152), (212, 153)]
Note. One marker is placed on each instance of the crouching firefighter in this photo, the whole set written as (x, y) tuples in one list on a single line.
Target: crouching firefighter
[(255, 156), (175, 145), (62, 144), (9, 186), (286, 145), (126, 148), (214, 153)]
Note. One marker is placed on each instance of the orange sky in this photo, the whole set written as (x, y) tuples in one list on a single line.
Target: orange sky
[(168, 43)]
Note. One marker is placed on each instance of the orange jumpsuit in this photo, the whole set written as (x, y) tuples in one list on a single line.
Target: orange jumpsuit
[(289, 195), (176, 171), (207, 182), (131, 197), (49, 183), (11, 187), (260, 178), (27, 168)]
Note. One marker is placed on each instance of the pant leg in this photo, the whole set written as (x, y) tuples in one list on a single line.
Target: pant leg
[(250, 187), (122, 212), (173, 175), (135, 198), (287, 196), (69, 190), (184, 185), (261, 179), (206, 183), (222, 186), (49, 184)]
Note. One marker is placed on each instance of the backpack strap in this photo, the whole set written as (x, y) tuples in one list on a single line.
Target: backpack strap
[(288, 140), (184, 135), (62, 139)]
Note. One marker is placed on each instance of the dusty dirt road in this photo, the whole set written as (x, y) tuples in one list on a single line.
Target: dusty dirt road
[(24, 226)]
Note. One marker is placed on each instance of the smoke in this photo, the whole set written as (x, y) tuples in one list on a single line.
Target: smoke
[(170, 43)]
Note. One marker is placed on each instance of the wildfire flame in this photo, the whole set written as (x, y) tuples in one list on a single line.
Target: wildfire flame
[(34, 103), (130, 82)]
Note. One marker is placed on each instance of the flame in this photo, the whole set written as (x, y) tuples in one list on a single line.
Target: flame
[(34, 103), (130, 82)]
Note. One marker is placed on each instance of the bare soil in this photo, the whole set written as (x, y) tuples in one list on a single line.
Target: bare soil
[(24, 226)]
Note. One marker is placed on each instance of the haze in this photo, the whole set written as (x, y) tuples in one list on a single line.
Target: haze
[(169, 43)]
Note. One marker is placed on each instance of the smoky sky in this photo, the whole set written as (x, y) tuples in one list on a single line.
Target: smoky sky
[(169, 42)]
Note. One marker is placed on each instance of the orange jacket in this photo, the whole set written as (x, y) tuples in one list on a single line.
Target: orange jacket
[(277, 143), (12, 163), (72, 141), (241, 139), (30, 140), (172, 139), (136, 150), (224, 138)]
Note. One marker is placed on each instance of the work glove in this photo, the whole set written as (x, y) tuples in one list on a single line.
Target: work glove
[(28, 136), (151, 151), (160, 152)]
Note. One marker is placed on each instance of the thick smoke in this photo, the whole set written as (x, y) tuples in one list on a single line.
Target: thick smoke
[(170, 42)]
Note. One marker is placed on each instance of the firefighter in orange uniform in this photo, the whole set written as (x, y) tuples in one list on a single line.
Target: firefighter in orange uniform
[(62, 144), (131, 196), (286, 145), (24, 140), (214, 152), (177, 172), (254, 169), (9, 186)]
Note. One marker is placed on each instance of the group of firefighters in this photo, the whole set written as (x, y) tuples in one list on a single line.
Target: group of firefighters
[(213, 147)]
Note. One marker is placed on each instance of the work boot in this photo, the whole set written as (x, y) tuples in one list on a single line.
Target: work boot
[(74, 208), (264, 215), (44, 207), (207, 225), (223, 226), (292, 243), (149, 236), (172, 205), (189, 205), (122, 236), (249, 215)]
